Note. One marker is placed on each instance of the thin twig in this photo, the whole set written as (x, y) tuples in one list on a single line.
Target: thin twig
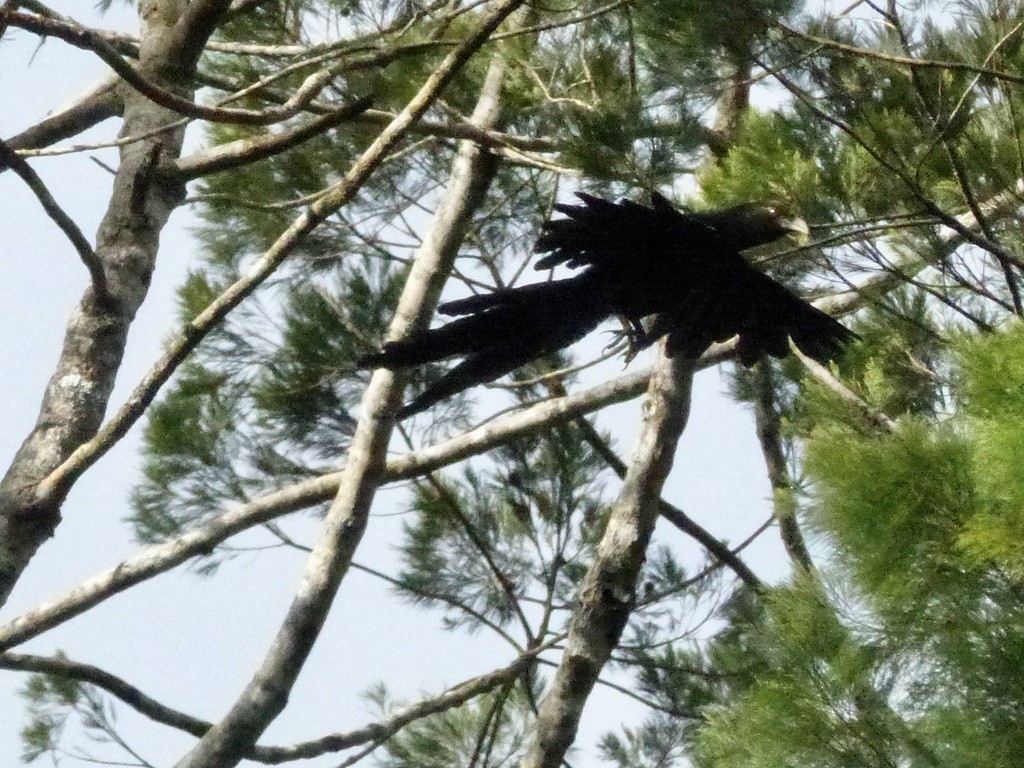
[(375, 732), (906, 61), (82, 37), (10, 159), (824, 375)]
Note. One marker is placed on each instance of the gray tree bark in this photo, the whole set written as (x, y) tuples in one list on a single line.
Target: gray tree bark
[(769, 435), (171, 38), (607, 596)]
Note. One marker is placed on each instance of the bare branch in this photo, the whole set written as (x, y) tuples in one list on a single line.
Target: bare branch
[(608, 590), (715, 547), (487, 137), (375, 732), (100, 103), (483, 136), (904, 61), (126, 243), (9, 159), (384, 729), (956, 162), (82, 37), (913, 187), (769, 435), (267, 694), (63, 667), (331, 200), (198, 21), (824, 375), (245, 151), (163, 557), (951, 236), (201, 541)]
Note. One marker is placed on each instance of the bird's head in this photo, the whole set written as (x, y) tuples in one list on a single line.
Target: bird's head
[(753, 224)]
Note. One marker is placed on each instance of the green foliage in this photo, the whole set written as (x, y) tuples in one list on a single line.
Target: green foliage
[(518, 529), (661, 742), (268, 399), (489, 732), (992, 388), (895, 506), (192, 441), (897, 368), (769, 162), (49, 700), (907, 650), (897, 362), (611, 121), (815, 701), (679, 29), (55, 705)]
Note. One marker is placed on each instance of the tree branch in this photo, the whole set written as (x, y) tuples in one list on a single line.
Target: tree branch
[(330, 201), (198, 21), (822, 374), (526, 421), (905, 61), (201, 541), (769, 435), (92, 109), (378, 731), (234, 154), (87, 39), (126, 243), (715, 547), (9, 159), (608, 590), (62, 667), (163, 557)]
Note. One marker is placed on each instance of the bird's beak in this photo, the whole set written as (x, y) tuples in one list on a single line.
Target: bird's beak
[(797, 227)]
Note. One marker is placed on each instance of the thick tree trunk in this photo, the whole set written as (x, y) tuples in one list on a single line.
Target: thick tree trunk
[(126, 244), (607, 595)]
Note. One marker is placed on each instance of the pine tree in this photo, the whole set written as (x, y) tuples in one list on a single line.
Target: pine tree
[(896, 639)]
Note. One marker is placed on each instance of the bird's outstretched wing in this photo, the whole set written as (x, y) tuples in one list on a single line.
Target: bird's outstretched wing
[(683, 271), (762, 312), (602, 233)]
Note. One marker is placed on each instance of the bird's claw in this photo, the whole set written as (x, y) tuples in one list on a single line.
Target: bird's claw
[(635, 336)]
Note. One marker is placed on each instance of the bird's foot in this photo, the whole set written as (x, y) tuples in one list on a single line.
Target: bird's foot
[(635, 336)]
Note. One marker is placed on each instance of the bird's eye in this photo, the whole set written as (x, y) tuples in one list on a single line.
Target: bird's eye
[(773, 211)]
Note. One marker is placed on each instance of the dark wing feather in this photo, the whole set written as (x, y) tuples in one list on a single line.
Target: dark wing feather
[(484, 366), (601, 232), (763, 312), (500, 297), (684, 269)]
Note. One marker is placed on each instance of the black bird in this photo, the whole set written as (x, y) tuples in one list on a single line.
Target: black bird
[(683, 269)]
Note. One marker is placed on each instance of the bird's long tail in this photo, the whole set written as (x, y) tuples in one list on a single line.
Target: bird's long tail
[(506, 330)]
